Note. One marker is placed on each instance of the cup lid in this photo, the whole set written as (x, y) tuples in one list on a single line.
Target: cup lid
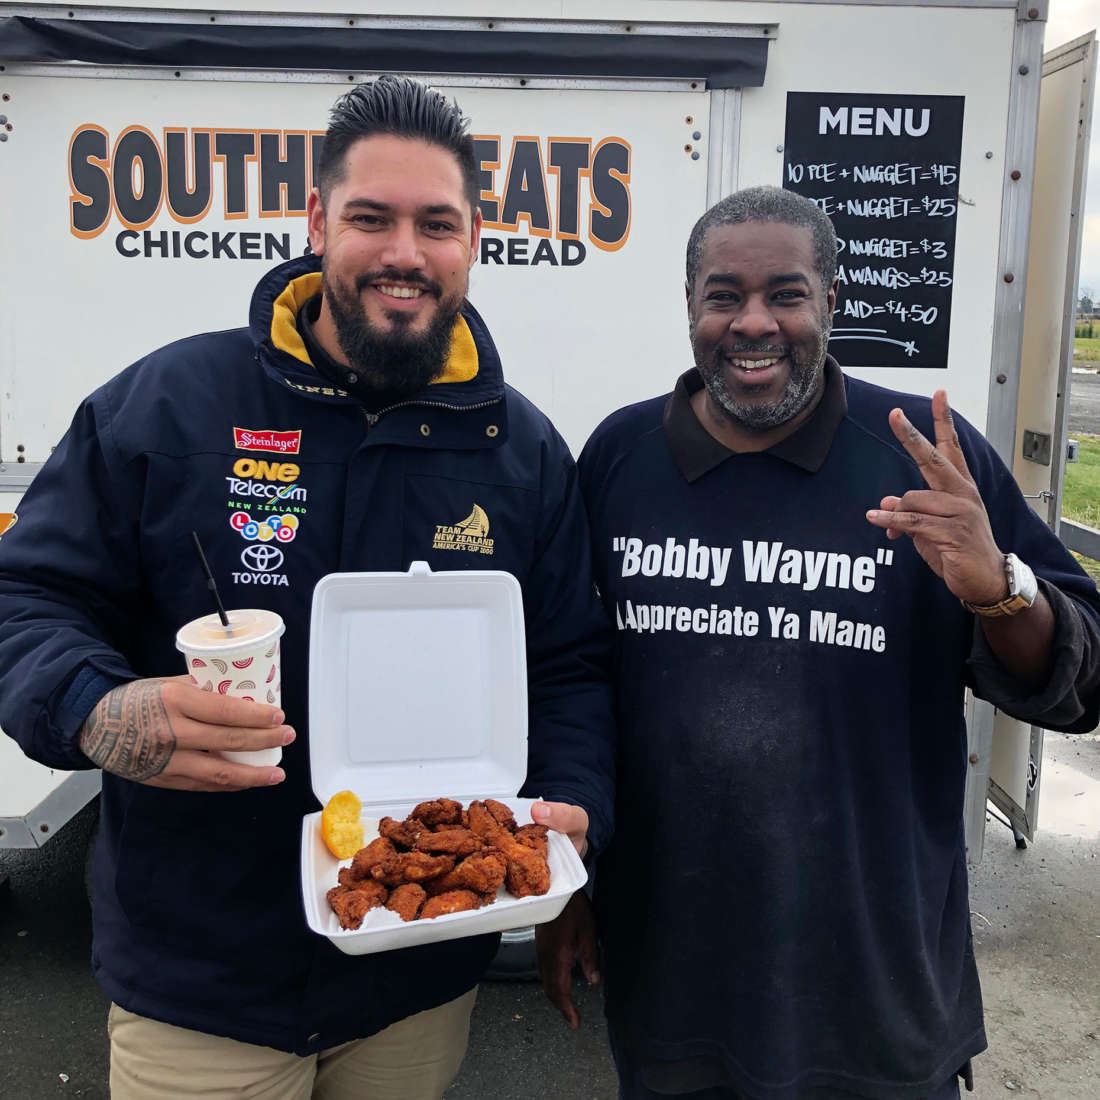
[(417, 686), (246, 625)]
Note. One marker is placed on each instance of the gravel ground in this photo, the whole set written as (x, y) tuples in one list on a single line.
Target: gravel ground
[(1036, 918)]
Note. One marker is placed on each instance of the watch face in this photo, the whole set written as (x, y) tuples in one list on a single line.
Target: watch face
[(1022, 586), (1022, 591)]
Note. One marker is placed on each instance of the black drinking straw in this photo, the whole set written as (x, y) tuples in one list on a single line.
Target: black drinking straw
[(210, 583)]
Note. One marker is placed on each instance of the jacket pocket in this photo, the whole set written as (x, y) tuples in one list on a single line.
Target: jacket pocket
[(208, 886)]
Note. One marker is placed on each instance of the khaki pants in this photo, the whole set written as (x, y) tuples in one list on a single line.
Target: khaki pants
[(413, 1059)]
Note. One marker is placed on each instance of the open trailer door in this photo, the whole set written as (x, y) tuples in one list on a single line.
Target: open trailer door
[(1065, 114)]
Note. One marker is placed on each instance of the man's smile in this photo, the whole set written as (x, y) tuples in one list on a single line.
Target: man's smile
[(399, 291), (398, 296), (753, 364), (756, 370)]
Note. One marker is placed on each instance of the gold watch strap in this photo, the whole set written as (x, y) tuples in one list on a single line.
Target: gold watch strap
[(1021, 592), (1012, 605)]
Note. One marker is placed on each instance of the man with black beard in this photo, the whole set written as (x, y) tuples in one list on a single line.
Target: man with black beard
[(803, 584), (361, 423), (393, 362), (396, 346)]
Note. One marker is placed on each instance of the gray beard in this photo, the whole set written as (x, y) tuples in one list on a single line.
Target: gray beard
[(802, 384)]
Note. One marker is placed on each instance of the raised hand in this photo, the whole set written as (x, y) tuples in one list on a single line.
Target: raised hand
[(947, 521), (166, 733)]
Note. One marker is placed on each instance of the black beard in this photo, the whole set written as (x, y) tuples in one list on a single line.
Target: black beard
[(394, 361)]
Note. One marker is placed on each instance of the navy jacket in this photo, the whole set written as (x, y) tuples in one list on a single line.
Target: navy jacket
[(197, 912), (784, 903)]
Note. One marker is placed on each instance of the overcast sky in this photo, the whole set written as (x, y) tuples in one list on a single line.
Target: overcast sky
[(1069, 19)]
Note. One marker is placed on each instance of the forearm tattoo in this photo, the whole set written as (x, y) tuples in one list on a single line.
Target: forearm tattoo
[(128, 733)]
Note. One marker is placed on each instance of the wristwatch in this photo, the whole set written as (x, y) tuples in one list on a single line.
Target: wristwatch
[(1022, 590)]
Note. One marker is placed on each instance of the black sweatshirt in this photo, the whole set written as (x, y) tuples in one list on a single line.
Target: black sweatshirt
[(784, 904)]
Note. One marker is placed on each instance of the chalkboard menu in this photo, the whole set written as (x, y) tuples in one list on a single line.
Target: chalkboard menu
[(885, 168)]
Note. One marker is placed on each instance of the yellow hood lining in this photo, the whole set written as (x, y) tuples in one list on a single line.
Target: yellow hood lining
[(461, 365)]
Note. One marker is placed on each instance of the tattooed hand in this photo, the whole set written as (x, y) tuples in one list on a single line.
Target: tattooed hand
[(161, 732)]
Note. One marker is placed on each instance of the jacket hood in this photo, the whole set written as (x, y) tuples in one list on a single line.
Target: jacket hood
[(472, 374)]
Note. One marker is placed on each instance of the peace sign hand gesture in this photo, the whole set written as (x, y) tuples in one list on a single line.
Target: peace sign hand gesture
[(947, 521)]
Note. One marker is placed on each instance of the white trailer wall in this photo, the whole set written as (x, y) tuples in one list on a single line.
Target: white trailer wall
[(580, 340)]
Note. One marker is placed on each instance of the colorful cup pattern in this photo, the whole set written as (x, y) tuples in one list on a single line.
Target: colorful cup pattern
[(252, 674), (244, 671)]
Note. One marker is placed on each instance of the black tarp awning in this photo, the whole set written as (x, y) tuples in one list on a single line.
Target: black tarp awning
[(721, 61)]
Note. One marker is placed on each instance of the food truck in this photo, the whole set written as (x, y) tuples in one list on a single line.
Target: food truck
[(155, 160)]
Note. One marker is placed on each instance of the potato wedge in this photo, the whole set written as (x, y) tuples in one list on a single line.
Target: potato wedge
[(341, 829)]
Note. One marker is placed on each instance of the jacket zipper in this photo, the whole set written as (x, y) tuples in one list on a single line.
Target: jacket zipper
[(373, 418)]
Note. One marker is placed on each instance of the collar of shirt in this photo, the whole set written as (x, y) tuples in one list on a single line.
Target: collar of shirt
[(697, 452)]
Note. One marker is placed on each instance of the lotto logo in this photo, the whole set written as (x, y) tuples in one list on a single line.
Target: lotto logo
[(279, 528)]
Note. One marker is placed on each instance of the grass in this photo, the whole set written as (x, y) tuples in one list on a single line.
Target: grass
[(1086, 350), (1081, 491)]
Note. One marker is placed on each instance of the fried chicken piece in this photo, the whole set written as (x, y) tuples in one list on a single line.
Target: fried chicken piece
[(443, 883), (377, 851), (483, 823), (347, 877), (406, 900), (374, 890), (534, 837), (454, 840), (454, 901), (439, 811), (502, 814), (350, 906), (528, 872), (484, 874), (411, 867), (402, 833)]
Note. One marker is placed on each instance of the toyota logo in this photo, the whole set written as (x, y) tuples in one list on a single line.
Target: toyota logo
[(263, 559)]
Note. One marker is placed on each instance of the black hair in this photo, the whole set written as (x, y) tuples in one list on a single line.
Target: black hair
[(768, 204), (401, 107)]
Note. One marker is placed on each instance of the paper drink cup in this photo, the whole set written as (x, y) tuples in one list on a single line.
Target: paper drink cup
[(241, 660)]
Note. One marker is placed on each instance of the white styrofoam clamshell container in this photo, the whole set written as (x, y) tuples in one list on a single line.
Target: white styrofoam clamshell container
[(418, 690), (382, 930)]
